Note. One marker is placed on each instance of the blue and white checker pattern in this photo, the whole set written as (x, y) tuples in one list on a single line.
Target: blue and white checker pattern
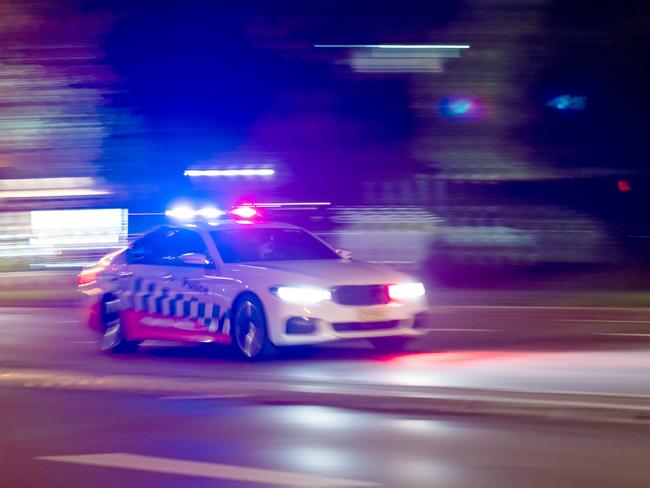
[(148, 296)]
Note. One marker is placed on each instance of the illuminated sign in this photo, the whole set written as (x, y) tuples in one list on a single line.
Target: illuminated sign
[(84, 228)]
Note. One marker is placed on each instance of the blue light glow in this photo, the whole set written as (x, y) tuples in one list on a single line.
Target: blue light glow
[(568, 102), (460, 107), (210, 212), (181, 213)]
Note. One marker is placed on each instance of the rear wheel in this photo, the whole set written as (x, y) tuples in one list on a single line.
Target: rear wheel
[(113, 339), (249, 334), (390, 344)]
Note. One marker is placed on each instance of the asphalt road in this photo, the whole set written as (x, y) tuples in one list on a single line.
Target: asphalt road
[(541, 350), (65, 438), (55, 435)]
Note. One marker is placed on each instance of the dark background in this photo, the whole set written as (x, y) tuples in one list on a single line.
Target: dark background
[(137, 92)]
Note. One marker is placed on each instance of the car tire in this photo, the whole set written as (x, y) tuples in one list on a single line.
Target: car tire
[(249, 331), (113, 340), (390, 344)]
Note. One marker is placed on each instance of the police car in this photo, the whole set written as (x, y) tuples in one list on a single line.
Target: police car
[(255, 285)]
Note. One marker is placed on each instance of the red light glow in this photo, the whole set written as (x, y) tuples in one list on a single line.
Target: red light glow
[(623, 185), (88, 276), (245, 212)]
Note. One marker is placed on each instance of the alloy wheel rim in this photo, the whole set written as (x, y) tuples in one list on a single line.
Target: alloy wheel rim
[(112, 335), (249, 335)]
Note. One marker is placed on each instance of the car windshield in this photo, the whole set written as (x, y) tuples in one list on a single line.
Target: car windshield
[(269, 244)]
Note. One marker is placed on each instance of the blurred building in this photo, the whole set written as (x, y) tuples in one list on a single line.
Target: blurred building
[(54, 208), (511, 137)]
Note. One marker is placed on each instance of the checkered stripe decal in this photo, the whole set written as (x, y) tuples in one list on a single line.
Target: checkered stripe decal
[(147, 296)]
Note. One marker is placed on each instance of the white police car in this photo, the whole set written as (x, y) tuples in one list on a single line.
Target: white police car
[(248, 283)]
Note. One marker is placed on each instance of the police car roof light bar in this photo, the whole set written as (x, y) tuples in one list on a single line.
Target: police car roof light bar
[(187, 214)]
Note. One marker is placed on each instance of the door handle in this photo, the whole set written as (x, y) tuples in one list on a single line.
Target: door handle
[(125, 274), (167, 277)]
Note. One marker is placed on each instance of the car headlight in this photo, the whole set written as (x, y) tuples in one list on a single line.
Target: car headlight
[(299, 294), (406, 291)]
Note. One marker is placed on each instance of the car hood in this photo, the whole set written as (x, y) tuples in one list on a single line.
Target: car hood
[(330, 272)]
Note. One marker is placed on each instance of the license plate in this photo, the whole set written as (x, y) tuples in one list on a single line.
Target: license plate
[(372, 315)]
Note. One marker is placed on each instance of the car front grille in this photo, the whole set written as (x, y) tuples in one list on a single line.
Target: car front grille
[(364, 326), (361, 295)]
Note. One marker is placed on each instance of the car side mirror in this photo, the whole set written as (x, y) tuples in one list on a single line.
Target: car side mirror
[(194, 259), (345, 254)]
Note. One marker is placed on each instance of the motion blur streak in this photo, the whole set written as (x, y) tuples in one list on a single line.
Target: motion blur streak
[(289, 204), (73, 192), (49, 188), (45, 183), (47, 238), (230, 172), (398, 46)]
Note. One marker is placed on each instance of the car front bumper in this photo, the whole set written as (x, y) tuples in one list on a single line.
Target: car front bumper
[(329, 321)]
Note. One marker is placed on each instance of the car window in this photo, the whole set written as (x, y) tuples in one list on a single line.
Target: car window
[(176, 243), (143, 249), (165, 246), (269, 244)]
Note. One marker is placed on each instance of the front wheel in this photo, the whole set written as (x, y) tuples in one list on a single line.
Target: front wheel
[(249, 334), (113, 339), (390, 344)]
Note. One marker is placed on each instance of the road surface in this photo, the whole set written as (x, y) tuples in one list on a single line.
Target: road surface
[(64, 439), (55, 435), (600, 352)]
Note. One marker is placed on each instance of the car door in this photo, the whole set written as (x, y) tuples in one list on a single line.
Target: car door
[(170, 298), (195, 284)]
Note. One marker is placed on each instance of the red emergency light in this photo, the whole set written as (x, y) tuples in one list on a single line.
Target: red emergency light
[(245, 212)]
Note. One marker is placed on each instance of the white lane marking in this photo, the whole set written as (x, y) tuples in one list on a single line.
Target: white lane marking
[(436, 329), (33, 310), (203, 469), (445, 308), (205, 397), (599, 321), (146, 385), (142, 384), (622, 334)]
